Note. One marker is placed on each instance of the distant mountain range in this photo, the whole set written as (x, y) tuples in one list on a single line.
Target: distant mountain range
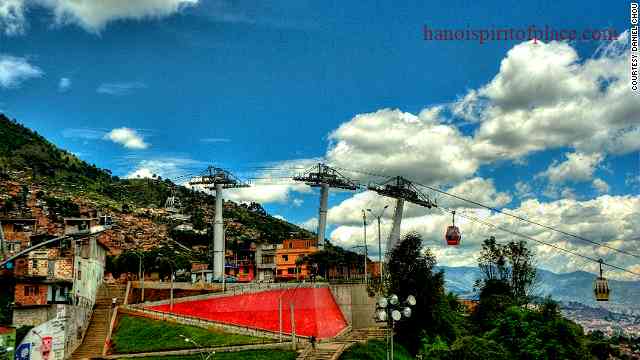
[(567, 287)]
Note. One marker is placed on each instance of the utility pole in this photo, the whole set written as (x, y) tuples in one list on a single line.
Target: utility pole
[(218, 179), (379, 217), (364, 226), (324, 177)]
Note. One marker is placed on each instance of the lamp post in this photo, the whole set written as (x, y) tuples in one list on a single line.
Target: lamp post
[(140, 273), (380, 242), (390, 310), (364, 226)]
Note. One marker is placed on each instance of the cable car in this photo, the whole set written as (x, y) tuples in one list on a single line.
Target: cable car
[(453, 235), (601, 286)]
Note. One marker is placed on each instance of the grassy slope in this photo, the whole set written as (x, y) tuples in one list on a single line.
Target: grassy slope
[(137, 334)]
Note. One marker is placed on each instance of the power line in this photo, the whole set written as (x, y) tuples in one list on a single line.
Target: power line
[(473, 218), (532, 222), (581, 238)]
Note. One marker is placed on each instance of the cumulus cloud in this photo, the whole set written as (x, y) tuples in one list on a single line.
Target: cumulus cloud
[(64, 84), (265, 193), (392, 142), (601, 186), (119, 88), (91, 15), (577, 167), (546, 96), (15, 70), (310, 224), (126, 137)]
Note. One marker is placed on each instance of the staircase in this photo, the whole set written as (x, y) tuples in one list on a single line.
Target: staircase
[(96, 333), (331, 350)]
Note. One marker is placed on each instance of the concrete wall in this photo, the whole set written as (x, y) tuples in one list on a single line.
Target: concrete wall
[(356, 305), (30, 316)]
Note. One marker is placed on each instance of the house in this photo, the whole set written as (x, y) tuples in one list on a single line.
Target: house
[(64, 272), (16, 234), (266, 262), (288, 253)]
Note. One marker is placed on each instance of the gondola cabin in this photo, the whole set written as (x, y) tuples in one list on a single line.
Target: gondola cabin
[(453, 236), (601, 286), (601, 289)]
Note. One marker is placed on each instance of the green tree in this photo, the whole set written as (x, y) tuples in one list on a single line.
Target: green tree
[(411, 272)]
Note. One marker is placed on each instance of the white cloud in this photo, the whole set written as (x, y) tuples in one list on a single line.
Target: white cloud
[(12, 17), (577, 167), (265, 193), (601, 186), (120, 88), (391, 142), (297, 202), (479, 190), (166, 167), (91, 15), (545, 96), (126, 137), (64, 84), (15, 70)]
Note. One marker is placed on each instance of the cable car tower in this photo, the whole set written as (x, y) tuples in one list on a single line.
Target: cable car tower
[(324, 177), (218, 179), (402, 190), (172, 204)]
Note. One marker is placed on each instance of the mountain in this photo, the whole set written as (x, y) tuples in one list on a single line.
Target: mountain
[(40, 180), (567, 287)]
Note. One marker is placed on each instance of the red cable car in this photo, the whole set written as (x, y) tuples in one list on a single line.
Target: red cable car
[(453, 235)]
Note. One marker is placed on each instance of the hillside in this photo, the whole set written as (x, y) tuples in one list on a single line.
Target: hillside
[(37, 179)]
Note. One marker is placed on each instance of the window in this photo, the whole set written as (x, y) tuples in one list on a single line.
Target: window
[(267, 259), (291, 271), (31, 291), (291, 245), (34, 263), (285, 257), (79, 275)]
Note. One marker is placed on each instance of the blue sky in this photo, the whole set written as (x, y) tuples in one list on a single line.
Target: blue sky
[(243, 85)]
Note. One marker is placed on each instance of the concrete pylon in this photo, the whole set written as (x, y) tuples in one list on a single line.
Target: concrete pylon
[(322, 215), (218, 237), (394, 236)]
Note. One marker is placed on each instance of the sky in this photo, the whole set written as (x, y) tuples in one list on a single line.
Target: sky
[(546, 128)]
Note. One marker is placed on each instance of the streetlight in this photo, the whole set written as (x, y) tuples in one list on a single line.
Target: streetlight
[(380, 241), (140, 272), (390, 309), (364, 223)]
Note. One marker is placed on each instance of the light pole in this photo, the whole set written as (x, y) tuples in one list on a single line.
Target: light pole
[(389, 310), (140, 274), (364, 225), (380, 242)]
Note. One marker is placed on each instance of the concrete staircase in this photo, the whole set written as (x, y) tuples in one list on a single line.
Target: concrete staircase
[(94, 338), (331, 350)]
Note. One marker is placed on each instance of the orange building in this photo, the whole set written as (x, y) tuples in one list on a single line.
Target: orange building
[(288, 253)]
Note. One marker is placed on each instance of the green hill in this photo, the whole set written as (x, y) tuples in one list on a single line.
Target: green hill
[(64, 181)]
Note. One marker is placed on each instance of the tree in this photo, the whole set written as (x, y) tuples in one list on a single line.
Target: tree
[(512, 263), (411, 272)]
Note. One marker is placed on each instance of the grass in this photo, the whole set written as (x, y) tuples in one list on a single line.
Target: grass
[(240, 355), (138, 334), (374, 350)]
